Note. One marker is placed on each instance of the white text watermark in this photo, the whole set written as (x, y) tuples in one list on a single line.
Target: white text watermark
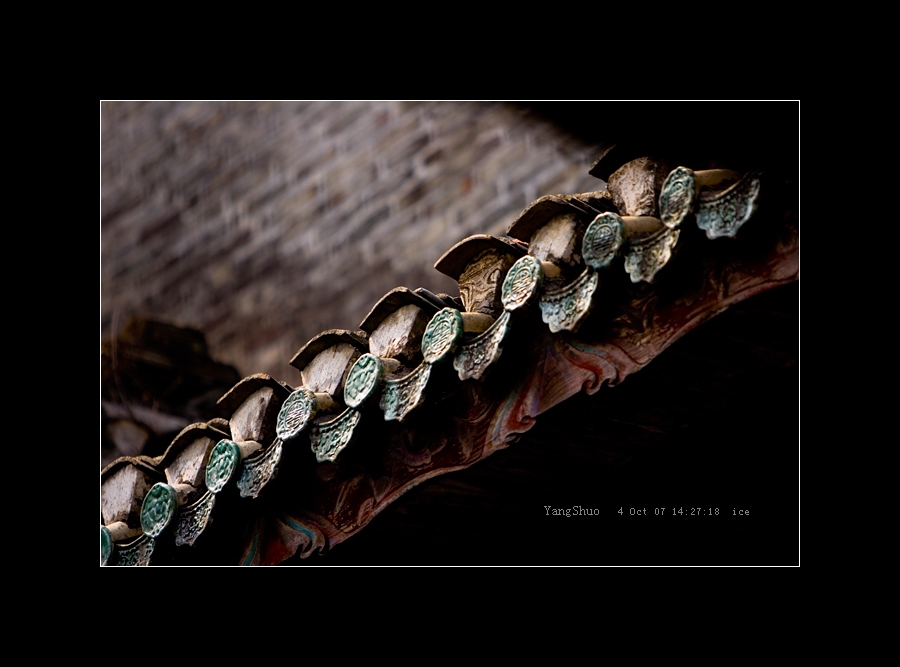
[(578, 510)]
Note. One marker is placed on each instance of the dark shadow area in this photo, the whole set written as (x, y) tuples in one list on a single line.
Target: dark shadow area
[(709, 428)]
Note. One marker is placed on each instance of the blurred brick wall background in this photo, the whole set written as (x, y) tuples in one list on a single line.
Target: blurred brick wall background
[(262, 224)]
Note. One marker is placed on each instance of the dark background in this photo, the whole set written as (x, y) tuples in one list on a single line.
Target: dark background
[(713, 422)]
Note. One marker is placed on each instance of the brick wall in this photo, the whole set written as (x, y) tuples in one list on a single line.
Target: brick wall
[(262, 224)]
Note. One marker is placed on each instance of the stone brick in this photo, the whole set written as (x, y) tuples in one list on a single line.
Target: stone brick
[(262, 224)]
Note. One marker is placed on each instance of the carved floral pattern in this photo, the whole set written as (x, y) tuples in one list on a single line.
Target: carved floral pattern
[(363, 380), (475, 356), (330, 438), (136, 553), (521, 282), (158, 509), (403, 395), (676, 200), (441, 338), (295, 413), (602, 240), (724, 213), (442, 335), (565, 308), (223, 461), (646, 256), (192, 520), (259, 470)]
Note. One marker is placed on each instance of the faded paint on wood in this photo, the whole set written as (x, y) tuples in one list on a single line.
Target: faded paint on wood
[(470, 420)]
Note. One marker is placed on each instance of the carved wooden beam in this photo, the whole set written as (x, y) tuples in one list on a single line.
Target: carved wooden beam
[(601, 336), (637, 321)]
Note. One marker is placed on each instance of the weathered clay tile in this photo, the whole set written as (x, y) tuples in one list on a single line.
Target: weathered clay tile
[(479, 265), (324, 361), (395, 326), (184, 462), (555, 226), (439, 341), (254, 403), (327, 364), (124, 484), (182, 501), (720, 200)]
